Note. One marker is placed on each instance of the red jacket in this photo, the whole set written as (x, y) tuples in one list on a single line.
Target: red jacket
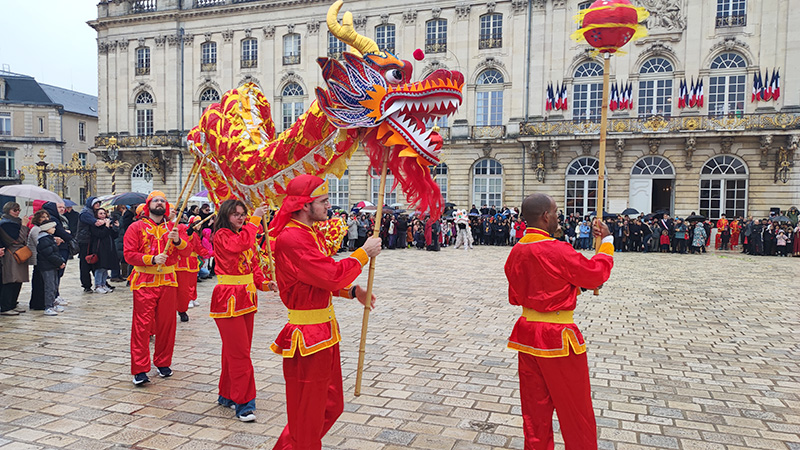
[(235, 255), (143, 240), (307, 279), (545, 275)]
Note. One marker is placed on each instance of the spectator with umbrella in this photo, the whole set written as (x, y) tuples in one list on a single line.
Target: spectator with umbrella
[(13, 237)]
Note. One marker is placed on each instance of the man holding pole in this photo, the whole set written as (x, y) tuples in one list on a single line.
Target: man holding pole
[(544, 277), (307, 279), (154, 286)]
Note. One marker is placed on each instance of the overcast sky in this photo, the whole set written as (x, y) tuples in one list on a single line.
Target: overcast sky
[(49, 40)]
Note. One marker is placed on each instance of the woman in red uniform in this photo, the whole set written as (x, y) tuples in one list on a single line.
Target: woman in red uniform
[(188, 266), (234, 302)]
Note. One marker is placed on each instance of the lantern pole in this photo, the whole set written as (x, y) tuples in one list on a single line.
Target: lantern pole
[(601, 174)]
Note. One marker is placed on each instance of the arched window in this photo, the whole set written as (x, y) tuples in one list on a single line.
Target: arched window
[(655, 87), (249, 53), (335, 47), (291, 49), (491, 29), (208, 97), (581, 186), (653, 166), (489, 96), (439, 174), (726, 85), (292, 99), (208, 58), (487, 183), (142, 179), (143, 61), (384, 37), (144, 114), (723, 187), (436, 36), (390, 194), (339, 190), (588, 92)]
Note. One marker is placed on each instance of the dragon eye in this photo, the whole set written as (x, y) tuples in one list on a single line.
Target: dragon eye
[(394, 76)]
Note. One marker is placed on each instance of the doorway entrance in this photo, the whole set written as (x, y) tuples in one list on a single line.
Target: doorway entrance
[(652, 185)]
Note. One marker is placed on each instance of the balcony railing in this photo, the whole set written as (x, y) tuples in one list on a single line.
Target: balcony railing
[(208, 67), (664, 125), (494, 42), (157, 140), (291, 59), (488, 132), (444, 133), (249, 63), (436, 48), (733, 20), (205, 3), (140, 6), (143, 70)]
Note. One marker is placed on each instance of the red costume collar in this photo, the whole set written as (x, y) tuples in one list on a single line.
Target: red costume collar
[(531, 230)]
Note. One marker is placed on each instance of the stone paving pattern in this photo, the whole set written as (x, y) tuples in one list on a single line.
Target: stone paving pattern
[(691, 352)]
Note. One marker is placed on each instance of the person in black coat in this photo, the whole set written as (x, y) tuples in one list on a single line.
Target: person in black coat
[(49, 262), (72, 218), (64, 232), (102, 245)]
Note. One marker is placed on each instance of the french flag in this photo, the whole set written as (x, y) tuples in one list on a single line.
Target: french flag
[(564, 104), (754, 96), (682, 95), (548, 104), (700, 93), (693, 95), (614, 98), (776, 90), (558, 98), (629, 97)]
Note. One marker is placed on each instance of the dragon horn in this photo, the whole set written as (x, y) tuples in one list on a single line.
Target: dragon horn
[(346, 33)]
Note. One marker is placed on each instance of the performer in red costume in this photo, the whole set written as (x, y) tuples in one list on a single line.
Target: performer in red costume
[(544, 277), (234, 303), (309, 343), (188, 266), (154, 286)]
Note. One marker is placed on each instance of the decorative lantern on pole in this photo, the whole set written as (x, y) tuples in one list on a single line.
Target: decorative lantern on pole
[(607, 25)]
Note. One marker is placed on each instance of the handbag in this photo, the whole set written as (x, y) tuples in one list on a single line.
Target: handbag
[(23, 254), (91, 258)]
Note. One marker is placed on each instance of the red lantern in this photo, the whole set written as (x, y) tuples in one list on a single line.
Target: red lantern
[(608, 25)]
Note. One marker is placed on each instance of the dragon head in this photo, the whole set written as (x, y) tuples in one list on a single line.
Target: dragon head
[(372, 89)]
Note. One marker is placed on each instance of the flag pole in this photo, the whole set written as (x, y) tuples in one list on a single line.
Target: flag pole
[(376, 230), (601, 175)]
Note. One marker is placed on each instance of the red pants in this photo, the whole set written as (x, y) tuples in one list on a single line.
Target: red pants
[(237, 381), (314, 398), (563, 384), (187, 288), (153, 310)]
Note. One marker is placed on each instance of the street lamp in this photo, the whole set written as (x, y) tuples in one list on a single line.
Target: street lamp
[(112, 151)]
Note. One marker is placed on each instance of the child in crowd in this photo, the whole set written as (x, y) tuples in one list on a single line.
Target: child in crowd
[(664, 242), (49, 261), (781, 239)]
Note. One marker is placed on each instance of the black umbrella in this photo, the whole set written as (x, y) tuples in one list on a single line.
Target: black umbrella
[(660, 212), (696, 218), (782, 219), (128, 198), (449, 205), (606, 215), (630, 211)]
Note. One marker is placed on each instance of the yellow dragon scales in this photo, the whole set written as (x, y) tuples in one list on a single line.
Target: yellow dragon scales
[(369, 100)]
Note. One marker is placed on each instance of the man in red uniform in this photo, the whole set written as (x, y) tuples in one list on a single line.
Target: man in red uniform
[(544, 277), (309, 343), (154, 286), (188, 266)]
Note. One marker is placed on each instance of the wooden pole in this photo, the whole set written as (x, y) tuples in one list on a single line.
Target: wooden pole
[(601, 174), (376, 230), (193, 178)]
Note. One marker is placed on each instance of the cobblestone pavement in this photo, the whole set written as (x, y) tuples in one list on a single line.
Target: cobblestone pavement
[(686, 352)]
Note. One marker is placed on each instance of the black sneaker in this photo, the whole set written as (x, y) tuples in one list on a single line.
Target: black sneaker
[(184, 316), (140, 378), (164, 372), (110, 286), (88, 290)]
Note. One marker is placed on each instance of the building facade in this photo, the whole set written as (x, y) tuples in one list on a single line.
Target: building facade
[(41, 124), (161, 62)]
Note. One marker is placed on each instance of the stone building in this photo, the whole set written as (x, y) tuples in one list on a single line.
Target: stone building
[(161, 62), (43, 123)]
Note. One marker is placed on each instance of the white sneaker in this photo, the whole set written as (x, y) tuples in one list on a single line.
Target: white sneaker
[(191, 304), (101, 290), (196, 303), (50, 312), (58, 308), (61, 301)]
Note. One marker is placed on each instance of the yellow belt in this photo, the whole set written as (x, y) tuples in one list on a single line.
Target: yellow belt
[(550, 317), (235, 280), (155, 270), (311, 316)]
